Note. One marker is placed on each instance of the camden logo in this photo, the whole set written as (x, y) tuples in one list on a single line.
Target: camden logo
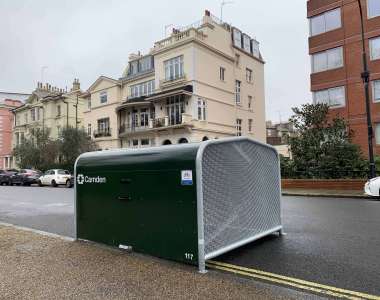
[(81, 179)]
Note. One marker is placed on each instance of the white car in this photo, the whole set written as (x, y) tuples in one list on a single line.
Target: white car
[(372, 187), (56, 177)]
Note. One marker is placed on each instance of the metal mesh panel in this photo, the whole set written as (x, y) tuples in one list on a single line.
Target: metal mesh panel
[(241, 192)]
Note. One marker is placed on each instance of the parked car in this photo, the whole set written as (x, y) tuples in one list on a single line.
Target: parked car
[(5, 177), (25, 177), (56, 177), (372, 187)]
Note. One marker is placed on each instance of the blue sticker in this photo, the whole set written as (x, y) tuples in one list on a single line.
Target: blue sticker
[(187, 177)]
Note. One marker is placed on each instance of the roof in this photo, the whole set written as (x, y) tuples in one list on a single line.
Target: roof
[(101, 78)]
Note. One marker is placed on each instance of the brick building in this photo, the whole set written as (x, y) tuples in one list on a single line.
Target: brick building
[(6, 124), (335, 50)]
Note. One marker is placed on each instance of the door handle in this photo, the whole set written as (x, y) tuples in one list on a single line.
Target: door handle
[(125, 180), (124, 198)]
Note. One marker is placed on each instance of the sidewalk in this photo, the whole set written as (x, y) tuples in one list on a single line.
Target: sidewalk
[(34, 266), (326, 193)]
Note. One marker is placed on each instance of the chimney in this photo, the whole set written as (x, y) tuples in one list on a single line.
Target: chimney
[(207, 13), (76, 85)]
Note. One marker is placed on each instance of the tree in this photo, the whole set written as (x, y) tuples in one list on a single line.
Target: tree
[(322, 148), (37, 152), (72, 143)]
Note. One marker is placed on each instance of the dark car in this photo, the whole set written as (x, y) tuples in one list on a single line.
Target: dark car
[(25, 177), (5, 177)]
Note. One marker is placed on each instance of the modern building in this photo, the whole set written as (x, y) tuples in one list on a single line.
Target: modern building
[(48, 108), (204, 81), (6, 124), (336, 58)]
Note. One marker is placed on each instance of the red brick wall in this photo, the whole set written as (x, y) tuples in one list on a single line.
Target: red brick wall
[(349, 37), (329, 184)]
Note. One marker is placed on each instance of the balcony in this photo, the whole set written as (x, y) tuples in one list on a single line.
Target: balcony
[(182, 36), (106, 132), (157, 124), (173, 81)]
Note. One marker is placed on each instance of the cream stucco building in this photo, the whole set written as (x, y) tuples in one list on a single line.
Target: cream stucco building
[(205, 81), (48, 108)]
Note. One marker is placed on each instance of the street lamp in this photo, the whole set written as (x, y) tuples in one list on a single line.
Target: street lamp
[(365, 77)]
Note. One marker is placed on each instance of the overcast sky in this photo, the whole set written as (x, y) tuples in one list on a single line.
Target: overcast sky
[(88, 38)]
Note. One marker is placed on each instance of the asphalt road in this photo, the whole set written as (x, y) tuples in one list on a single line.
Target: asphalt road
[(42, 208), (329, 241)]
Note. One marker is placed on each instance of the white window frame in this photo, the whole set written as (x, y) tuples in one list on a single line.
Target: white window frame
[(323, 15), (237, 92), (372, 57), (33, 114), (174, 68), (368, 11), (89, 131), (374, 98), (239, 123), (328, 99), (250, 123), (249, 75), (326, 54), (201, 109), (103, 97), (142, 89), (377, 133), (59, 112)]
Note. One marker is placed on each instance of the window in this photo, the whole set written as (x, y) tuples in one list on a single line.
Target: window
[(249, 125), (334, 97), (26, 117), (374, 46), (103, 97), (89, 103), (38, 113), (237, 37), (144, 117), (377, 133), (238, 127), (246, 43), (255, 48), (174, 68), (222, 72), (175, 107), (135, 143), (325, 22), (201, 109), (248, 75), (59, 130), (89, 129), (58, 110), (376, 90), (33, 114), (17, 138), (237, 91), (237, 60), (327, 60), (104, 125), (249, 102), (63, 172), (373, 8), (142, 89), (144, 142)]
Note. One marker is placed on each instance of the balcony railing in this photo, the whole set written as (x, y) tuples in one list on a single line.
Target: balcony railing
[(156, 123), (173, 80), (191, 33), (102, 133)]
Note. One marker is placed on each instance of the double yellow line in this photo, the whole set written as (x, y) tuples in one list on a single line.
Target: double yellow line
[(304, 285)]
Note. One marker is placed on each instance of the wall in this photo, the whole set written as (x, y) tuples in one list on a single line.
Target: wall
[(328, 184)]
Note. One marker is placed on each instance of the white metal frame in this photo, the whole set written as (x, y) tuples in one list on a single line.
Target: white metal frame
[(202, 257)]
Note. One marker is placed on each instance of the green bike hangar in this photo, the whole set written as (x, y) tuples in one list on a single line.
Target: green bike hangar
[(187, 202)]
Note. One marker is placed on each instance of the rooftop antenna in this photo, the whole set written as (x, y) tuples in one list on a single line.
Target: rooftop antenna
[(43, 68), (221, 8)]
